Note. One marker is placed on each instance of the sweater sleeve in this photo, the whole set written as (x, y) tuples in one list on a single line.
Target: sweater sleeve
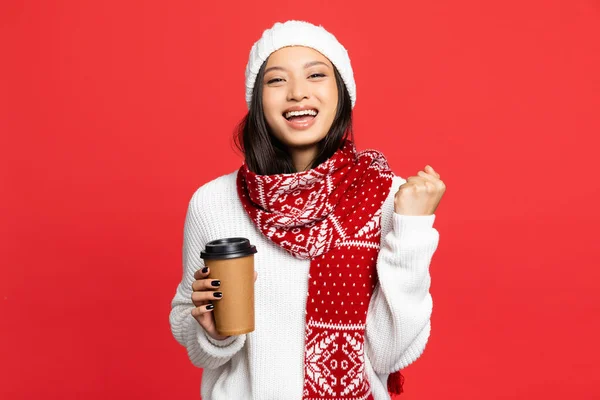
[(398, 319), (203, 350)]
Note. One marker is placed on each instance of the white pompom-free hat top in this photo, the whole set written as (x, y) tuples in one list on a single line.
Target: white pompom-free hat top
[(299, 33)]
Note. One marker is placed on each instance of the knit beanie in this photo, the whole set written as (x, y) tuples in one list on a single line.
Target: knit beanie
[(299, 33)]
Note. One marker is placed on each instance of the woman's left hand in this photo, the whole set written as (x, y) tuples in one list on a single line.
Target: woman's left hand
[(420, 195)]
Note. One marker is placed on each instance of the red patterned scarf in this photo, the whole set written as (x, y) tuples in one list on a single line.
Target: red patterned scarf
[(331, 215)]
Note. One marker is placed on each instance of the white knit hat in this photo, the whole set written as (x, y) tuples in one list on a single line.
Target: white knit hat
[(299, 33)]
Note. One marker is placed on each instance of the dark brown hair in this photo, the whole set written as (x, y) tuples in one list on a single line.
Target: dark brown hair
[(266, 155)]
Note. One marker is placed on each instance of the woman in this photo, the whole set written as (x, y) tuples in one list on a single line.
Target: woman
[(344, 246)]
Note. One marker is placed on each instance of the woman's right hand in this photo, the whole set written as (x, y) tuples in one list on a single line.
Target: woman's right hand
[(203, 292)]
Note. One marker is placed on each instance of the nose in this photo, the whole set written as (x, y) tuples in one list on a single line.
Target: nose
[(298, 90)]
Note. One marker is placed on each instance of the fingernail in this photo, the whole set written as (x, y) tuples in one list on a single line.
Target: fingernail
[(216, 283), (218, 294), (204, 270), (210, 307)]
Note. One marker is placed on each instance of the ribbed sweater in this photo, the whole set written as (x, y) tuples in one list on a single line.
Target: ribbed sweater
[(268, 362)]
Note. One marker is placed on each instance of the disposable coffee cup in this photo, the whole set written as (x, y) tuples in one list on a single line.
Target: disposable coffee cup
[(231, 260)]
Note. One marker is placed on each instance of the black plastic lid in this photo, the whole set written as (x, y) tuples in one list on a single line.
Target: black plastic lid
[(227, 248)]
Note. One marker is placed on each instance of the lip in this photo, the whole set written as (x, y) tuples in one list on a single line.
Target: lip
[(300, 108), (303, 125)]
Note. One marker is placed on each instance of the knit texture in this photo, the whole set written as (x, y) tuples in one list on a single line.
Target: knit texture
[(299, 33), (269, 362)]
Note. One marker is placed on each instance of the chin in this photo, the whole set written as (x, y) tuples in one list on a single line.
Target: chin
[(301, 138)]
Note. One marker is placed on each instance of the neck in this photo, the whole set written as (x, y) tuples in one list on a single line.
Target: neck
[(303, 157)]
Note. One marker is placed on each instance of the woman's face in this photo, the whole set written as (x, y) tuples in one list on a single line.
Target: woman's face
[(300, 96)]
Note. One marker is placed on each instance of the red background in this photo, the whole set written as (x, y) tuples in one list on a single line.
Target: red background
[(112, 114)]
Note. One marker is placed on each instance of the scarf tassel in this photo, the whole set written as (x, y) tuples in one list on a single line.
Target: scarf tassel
[(395, 382)]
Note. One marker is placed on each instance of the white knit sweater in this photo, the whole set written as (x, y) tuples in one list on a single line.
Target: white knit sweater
[(267, 363)]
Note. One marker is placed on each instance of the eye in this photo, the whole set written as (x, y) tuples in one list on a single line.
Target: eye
[(318, 75), (274, 80)]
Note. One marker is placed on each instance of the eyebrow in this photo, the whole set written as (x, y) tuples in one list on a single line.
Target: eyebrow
[(307, 65)]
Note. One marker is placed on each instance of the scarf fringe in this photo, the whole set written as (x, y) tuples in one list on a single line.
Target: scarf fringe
[(395, 383)]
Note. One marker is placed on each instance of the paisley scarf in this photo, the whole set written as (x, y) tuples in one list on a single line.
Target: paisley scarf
[(331, 215)]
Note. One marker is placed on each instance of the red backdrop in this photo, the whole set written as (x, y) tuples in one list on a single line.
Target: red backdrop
[(112, 114)]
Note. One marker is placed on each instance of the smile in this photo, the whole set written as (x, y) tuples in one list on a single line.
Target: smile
[(300, 120), (300, 113)]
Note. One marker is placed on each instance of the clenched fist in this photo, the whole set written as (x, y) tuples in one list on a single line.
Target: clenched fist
[(420, 195)]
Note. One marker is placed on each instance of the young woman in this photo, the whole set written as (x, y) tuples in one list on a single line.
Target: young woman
[(342, 280)]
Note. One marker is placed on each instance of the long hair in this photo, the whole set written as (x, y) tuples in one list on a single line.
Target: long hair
[(267, 155)]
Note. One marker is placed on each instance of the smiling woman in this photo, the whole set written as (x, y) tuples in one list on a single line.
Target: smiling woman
[(342, 298), (295, 79), (300, 99)]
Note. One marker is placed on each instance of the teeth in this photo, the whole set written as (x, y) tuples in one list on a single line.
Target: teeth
[(298, 113)]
